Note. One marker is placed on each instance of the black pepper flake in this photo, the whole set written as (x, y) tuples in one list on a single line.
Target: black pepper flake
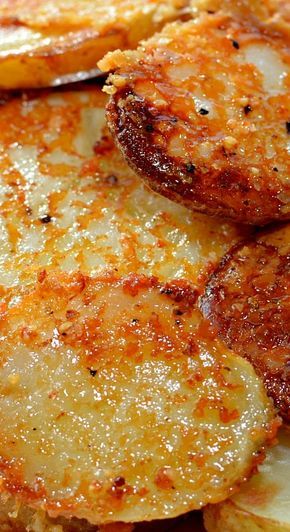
[(275, 169), (119, 482), (235, 44), (34, 428), (135, 321), (45, 219), (149, 128), (288, 127), (190, 168), (93, 372), (203, 111), (166, 291), (177, 312), (247, 109)]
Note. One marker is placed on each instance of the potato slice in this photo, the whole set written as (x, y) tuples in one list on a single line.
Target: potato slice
[(69, 201), (262, 505), (117, 405), (248, 301), (51, 42), (201, 112)]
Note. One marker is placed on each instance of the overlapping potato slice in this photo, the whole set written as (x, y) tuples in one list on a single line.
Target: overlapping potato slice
[(201, 111), (117, 405), (46, 43), (262, 505), (69, 201), (248, 301)]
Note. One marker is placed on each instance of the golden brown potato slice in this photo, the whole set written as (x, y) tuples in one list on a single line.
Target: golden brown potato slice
[(262, 505), (201, 111), (69, 201), (248, 301), (117, 405), (48, 42)]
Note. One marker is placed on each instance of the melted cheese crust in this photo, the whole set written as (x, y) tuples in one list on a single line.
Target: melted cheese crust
[(117, 405), (69, 201), (201, 111), (50, 42)]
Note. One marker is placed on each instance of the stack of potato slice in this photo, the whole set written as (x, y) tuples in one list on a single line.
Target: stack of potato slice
[(145, 331)]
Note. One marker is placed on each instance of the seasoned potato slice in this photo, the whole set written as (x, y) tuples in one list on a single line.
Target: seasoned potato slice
[(201, 111), (69, 201), (116, 404), (248, 301), (262, 505), (48, 42)]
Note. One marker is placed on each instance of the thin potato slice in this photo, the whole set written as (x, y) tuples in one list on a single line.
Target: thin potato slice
[(69, 201), (46, 43), (116, 405), (262, 505), (201, 111), (248, 301)]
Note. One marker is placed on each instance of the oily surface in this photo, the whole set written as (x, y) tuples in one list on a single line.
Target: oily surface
[(69, 201), (262, 503), (49, 42), (116, 403), (248, 300), (201, 111)]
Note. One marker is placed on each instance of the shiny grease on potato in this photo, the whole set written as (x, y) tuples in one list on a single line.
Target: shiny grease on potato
[(248, 301), (201, 111)]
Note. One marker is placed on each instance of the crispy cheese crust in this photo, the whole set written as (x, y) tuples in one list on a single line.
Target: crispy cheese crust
[(248, 301), (117, 405), (46, 43), (70, 201), (201, 112)]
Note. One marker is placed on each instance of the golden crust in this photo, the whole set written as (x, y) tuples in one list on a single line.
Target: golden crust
[(46, 43), (248, 301), (69, 200), (201, 112), (117, 404)]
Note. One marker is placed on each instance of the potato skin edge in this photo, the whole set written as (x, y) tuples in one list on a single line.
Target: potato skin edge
[(227, 193)]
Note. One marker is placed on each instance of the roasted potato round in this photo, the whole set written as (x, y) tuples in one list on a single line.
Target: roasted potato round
[(248, 301), (117, 405), (51, 42), (201, 111)]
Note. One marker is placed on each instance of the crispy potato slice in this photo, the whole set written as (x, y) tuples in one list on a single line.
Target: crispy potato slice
[(69, 201), (248, 301), (117, 405), (262, 505), (201, 111), (46, 43)]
